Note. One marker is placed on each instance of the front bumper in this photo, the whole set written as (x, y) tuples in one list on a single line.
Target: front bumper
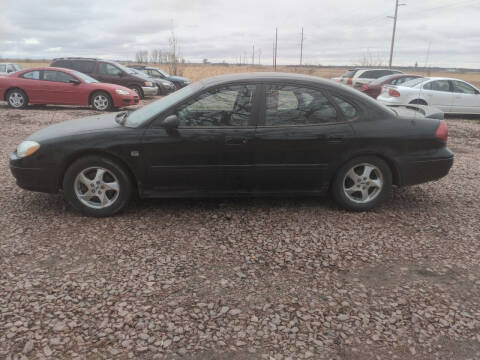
[(149, 91), (424, 169), (121, 101), (35, 179)]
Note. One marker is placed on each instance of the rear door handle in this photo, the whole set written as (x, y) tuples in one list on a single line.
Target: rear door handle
[(235, 141), (336, 138)]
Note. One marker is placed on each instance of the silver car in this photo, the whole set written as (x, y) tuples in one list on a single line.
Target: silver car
[(8, 68)]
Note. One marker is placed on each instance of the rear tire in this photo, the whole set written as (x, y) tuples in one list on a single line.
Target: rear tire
[(97, 186), (418, 102), (362, 183), (17, 99), (101, 101)]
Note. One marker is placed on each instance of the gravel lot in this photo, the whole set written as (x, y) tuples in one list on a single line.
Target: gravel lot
[(241, 278)]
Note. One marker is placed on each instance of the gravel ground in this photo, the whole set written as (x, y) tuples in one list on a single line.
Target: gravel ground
[(241, 278)]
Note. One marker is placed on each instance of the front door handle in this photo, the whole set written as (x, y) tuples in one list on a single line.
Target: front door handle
[(235, 141)]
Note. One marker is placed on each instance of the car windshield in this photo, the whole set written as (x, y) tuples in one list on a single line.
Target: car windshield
[(414, 82), (161, 72), (85, 78), (145, 113), (349, 74)]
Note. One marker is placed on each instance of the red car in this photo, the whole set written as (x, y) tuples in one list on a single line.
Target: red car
[(57, 86), (375, 87)]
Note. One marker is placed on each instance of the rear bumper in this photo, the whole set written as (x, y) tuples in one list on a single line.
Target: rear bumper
[(421, 170)]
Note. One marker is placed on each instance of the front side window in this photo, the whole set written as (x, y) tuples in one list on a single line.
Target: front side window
[(438, 85), (290, 105), (226, 106), (57, 76), (32, 75), (107, 69), (464, 88)]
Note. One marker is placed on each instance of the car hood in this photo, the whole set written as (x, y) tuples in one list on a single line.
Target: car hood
[(177, 78), (77, 126)]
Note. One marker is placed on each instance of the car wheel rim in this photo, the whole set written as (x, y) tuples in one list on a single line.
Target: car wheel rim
[(16, 99), (363, 183), (100, 102), (97, 187)]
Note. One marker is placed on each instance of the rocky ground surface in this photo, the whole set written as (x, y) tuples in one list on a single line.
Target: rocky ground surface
[(241, 278)]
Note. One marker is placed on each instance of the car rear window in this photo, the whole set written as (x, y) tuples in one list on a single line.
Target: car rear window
[(349, 74)]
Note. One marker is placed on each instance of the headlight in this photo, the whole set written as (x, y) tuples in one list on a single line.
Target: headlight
[(27, 148), (148, 83), (122, 92)]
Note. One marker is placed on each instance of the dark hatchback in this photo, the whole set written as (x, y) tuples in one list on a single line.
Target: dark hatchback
[(243, 134)]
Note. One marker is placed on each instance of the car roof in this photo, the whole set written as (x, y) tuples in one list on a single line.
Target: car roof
[(44, 68), (266, 76)]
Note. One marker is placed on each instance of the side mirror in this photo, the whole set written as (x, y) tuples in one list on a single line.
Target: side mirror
[(74, 81), (171, 122)]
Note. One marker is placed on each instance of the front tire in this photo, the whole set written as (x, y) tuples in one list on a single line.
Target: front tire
[(97, 186), (101, 101), (362, 183), (17, 99), (139, 91)]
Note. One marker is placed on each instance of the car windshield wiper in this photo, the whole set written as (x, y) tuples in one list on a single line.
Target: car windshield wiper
[(121, 117)]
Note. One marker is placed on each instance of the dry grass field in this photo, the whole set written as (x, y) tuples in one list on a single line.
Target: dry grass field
[(197, 72)]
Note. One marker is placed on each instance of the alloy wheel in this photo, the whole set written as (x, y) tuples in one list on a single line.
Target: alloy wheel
[(96, 187), (363, 183), (100, 102), (16, 99)]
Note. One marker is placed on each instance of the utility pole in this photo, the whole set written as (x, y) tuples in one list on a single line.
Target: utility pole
[(301, 49), (253, 55), (394, 29), (275, 52), (259, 56)]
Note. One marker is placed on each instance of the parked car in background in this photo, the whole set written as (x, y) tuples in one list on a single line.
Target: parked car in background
[(58, 86), (109, 72), (375, 87), (239, 134), (179, 81), (8, 68), (366, 76), (347, 77), (452, 96), (165, 87)]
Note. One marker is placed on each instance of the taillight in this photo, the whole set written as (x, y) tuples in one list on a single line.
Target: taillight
[(364, 87), (442, 131), (393, 93), (350, 81)]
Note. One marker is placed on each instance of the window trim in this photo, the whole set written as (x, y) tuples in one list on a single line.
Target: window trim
[(325, 91)]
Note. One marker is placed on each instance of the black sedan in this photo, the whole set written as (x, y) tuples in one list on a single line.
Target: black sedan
[(243, 134)]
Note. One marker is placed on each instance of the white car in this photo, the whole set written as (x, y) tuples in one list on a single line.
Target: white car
[(8, 68), (452, 96)]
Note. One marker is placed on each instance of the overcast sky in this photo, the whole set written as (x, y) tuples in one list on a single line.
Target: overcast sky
[(336, 32)]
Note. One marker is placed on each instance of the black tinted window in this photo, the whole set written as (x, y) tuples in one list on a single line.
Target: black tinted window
[(33, 75), (291, 105), (227, 106), (84, 66)]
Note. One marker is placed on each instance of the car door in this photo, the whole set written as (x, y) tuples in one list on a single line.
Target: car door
[(30, 82), (61, 88), (466, 99), (212, 148), (108, 73), (300, 137), (438, 93)]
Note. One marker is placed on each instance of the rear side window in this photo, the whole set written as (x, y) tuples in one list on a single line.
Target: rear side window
[(290, 105), (84, 66), (438, 85), (32, 75), (349, 111)]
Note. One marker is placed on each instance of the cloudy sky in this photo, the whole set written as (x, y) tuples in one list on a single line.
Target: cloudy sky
[(440, 32)]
